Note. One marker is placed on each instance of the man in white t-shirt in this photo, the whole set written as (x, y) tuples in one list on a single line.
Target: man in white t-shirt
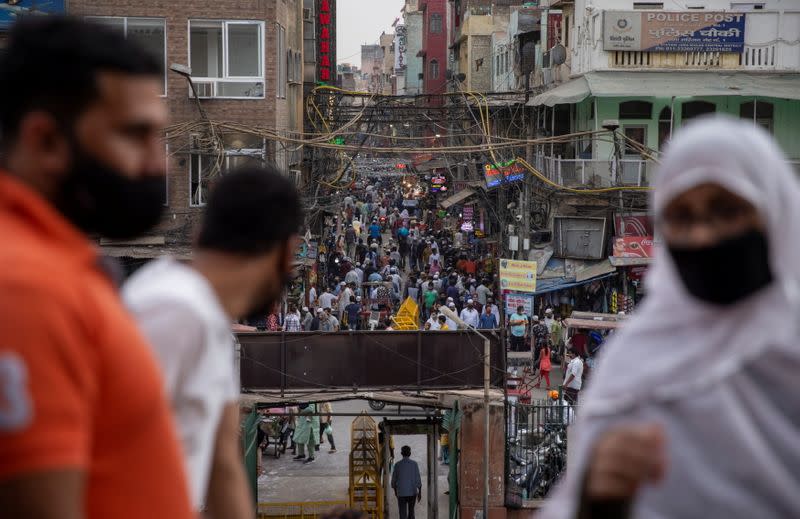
[(326, 299), (186, 310), (573, 377), (470, 315)]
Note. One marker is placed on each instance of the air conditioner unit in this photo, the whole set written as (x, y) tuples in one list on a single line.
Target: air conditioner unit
[(204, 89), (307, 16), (296, 175)]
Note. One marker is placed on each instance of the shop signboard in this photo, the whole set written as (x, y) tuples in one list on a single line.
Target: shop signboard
[(326, 41), (517, 275), (673, 31), (503, 173), (514, 300), (633, 225), (633, 247), (438, 184)]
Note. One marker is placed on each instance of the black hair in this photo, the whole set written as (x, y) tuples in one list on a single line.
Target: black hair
[(51, 64), (405, 451), (442, 319), (251, 210)]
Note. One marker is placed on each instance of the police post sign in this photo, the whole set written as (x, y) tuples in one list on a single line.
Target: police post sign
[(673, 31), (518, 276)]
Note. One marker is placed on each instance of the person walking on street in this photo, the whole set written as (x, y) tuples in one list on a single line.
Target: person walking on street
[(407, 484), (545, 366), (540, 336), (518, 322), (573, 377), (326, 426), (488, 320), (470, 315), (308, 318), (353, 313), (292, 321), (306, 434)]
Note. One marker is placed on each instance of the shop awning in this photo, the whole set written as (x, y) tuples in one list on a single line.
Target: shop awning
[(669, 84), (630, 262), (456, 198), (551, 285)]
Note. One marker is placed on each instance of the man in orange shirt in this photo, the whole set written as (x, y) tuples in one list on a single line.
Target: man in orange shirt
[(85, 429)]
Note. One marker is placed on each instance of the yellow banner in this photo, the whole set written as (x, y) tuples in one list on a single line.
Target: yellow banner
[(518, 276)]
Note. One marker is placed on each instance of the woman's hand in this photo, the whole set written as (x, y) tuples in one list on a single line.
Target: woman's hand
[(624, 459)]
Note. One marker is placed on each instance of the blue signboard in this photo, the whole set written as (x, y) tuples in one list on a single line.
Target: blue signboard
[(11, 11), (673, 31)]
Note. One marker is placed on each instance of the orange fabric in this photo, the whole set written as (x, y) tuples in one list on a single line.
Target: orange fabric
[(90, 385)]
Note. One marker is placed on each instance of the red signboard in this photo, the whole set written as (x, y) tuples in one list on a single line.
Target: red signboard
[(553, 29), (326, 44), (633, 225), (633, 247)]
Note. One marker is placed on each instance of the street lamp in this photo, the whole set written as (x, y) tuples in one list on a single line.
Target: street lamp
[(186, 71), (486, 381)]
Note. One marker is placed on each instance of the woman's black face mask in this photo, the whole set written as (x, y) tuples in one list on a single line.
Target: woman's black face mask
[(726, 272)]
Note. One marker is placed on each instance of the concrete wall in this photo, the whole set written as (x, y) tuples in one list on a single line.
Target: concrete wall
[(470, 477), (413, 21)]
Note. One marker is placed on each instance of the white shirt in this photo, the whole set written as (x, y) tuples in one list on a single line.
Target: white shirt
[(549, 322), (312, 296), (575, 368), (434, 324), (344, 299), (471, 317), (326, 300), (179, 313)]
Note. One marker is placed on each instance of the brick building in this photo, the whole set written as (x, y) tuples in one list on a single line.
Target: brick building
[(246, 61), (434, 46)]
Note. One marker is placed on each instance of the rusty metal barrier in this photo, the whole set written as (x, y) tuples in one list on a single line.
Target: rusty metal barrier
[(412, 360), (297, 510)]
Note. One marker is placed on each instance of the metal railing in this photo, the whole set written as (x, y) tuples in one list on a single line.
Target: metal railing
[(595, 172), (298, 510), (600, 173), (536, 448)]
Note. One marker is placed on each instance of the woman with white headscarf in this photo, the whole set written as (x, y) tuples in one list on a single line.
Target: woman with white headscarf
[(694, 409)]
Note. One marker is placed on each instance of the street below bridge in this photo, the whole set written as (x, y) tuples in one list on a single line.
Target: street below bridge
[(326, 479)]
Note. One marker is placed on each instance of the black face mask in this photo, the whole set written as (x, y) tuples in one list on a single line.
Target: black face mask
[(727, 272), (97, 198)]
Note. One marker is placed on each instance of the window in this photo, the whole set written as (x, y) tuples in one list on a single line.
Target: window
[(664, 127), (227, 58), (764, 113), (694, 109), (648, 5), (635, 110), (436, 23), (280, 90), (240, 150), (295, 67), (150, 33), (434, 69)]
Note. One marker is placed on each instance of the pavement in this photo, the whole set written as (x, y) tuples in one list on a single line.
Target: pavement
[(327, 479)]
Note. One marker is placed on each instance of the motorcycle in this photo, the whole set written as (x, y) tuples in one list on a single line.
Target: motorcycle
[(551, 461)]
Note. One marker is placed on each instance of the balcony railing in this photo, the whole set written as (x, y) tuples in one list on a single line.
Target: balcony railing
[(601, 173), (595, 172)]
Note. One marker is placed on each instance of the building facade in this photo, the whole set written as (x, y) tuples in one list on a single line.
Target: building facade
[(654, 66), (412, 17), (246, 67), (434, 46)]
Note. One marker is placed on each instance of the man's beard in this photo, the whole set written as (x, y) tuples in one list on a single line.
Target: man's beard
[(97, 198)]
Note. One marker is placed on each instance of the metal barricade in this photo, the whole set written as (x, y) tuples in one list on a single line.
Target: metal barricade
[(297, 510), (536, 448)]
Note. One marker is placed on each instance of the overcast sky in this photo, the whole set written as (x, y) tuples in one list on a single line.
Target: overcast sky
[(361, 22)]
